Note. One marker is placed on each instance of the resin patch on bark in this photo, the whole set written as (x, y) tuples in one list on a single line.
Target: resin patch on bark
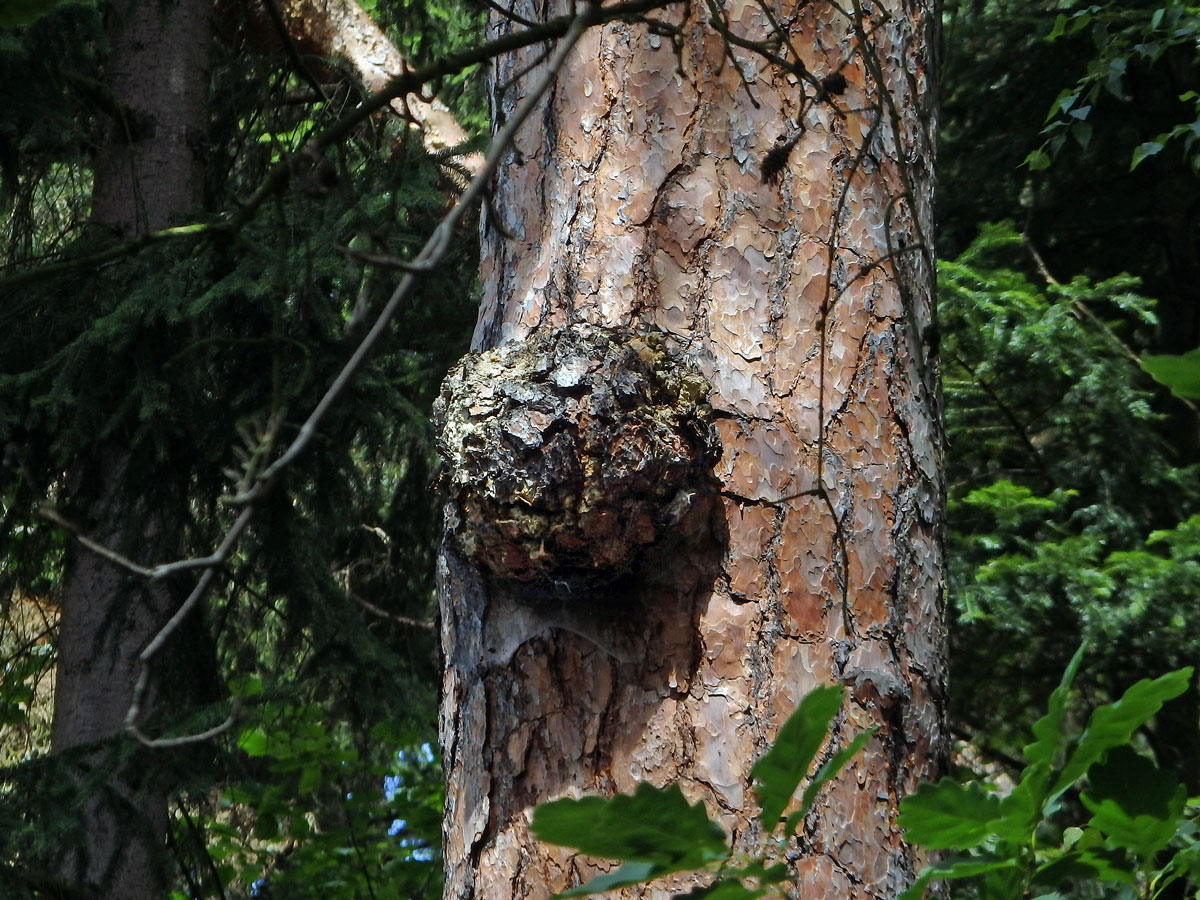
[(569, 454)]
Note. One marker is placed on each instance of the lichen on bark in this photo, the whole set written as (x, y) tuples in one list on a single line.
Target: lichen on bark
[(569, 455)]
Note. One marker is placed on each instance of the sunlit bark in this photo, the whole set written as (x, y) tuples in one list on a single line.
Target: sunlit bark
[(342, 29), (636, 200)]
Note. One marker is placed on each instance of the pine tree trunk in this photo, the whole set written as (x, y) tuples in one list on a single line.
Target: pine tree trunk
[(636, 201), (148, 175)]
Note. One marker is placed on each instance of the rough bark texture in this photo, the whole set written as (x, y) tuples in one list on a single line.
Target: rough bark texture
[(570, 454), (148, 175), (636, 201)]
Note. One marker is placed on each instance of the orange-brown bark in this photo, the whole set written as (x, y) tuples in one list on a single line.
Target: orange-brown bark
[(636, 201)]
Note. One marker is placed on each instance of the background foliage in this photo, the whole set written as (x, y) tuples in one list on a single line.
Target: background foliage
[(1069, 252)]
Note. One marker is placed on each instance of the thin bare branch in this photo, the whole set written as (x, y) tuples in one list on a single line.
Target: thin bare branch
[(50, 514), (184, 740), (384, 614), (151, 573), (381, 260), (429, 257)]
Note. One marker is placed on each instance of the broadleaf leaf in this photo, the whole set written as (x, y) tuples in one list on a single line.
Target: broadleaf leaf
[(781, 769), (653, 825), (1114, 723), (948, 815), (1134, 802), (955, 867), (629, 873)]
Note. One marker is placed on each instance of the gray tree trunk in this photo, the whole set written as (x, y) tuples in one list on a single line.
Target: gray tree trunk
[(148, 175)]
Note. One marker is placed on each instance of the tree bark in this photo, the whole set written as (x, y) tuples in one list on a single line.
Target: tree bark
[(148, 175), (342, 28), (636, 201), (107, 617)]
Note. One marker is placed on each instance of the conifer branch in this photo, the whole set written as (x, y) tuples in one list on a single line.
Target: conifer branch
[(1082, 312)]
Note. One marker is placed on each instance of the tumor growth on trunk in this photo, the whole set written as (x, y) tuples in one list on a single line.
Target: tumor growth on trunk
[(570, 454)]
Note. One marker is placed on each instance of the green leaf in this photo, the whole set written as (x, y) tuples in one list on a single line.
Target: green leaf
[(955, 867), (653, 825), (1063, 103), (776, 873), (1089, 865), (1021, 810), (781, 769), (310, 778), (948, 815), (629, 873), (266, 827), (1047, 731), (235, 794), (1082, 132), (1184, 863), (246, 686), (724, 889), (827, 771), (1114, 723), (1143, 151), (1038, 160), (1011, 503), (253, 742), (1134, 802), (298, 827), (14, 13), (1179, 373)]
